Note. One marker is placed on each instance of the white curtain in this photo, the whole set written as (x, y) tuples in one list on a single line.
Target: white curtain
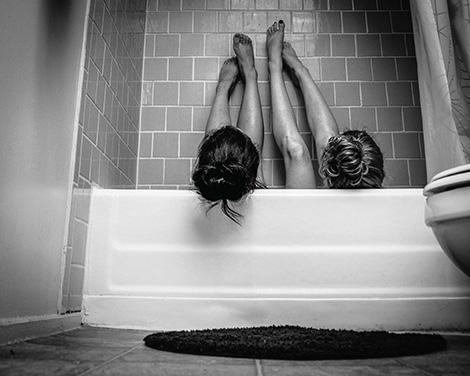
[(442, 39)]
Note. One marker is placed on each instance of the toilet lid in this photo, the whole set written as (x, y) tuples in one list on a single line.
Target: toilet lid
[(452, 171), (446, 183)]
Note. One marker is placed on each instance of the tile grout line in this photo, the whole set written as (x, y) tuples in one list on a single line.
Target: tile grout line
[(110, 360)]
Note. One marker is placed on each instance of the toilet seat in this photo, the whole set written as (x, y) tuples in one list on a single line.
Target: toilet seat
[(452, 171), (456, 177)]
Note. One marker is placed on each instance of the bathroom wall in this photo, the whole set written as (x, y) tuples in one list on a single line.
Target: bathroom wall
[(41, 47), (107, 140), (360, 52)]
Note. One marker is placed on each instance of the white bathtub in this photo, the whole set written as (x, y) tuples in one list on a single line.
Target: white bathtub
[(320, 258)]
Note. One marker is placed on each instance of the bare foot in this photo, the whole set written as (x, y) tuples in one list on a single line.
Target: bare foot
[(291, 62), (274, 43), (243, 48), (228, 74)]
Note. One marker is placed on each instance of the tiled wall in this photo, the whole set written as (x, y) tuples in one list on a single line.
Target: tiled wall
[(107, 143), (360, 52)]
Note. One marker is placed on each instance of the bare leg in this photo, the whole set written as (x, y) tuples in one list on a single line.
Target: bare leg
[(250, 118), (319, 117), (299, 170), (219, 115)]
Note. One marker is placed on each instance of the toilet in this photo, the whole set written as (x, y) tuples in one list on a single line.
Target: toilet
[(447, 212)]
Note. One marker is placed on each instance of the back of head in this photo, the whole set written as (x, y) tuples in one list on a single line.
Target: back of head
[(352, 159), (226, 168)]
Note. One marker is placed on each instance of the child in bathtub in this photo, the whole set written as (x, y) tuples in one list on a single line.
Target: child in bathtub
[(228, 166), (347, 160)]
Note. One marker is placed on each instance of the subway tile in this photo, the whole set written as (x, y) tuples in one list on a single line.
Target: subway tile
[(368, 45), (199, 118), (181, 22), (230, 21), (206, 68), (267, 4), (418, 176), (399, 94), (181, 68), (389, 5), (157, 22), (385, 143), (389, 119), (410, 44), (342, 117), (401, 22), (328, 92), (378, 22), (318, 45), (343, 45), (333, 69), (406, 145), (373, 94), (155, 69), (359, 69), (240, 4), (329, 22), (290, 4), (193, 4), (279, 173), (85, 158), (147, 93), (192, 45), (189, 143), (191, 94), (178, 119), (365, 4), (218, 45), (165, 93), (396, 173), (218, 4), (165, 145), (363, 118), (341, 5), (354, 22), (393, 45), (177, 171), (149, 50), (303, 22), (145, 142), (150, 171), (347, 94), (79, 242), (254, 21), (315, 4), (205, 22), (169, 5), (153, 119), (166, 45), (412, 120), (76, 281), (407, 69), (383, 69)]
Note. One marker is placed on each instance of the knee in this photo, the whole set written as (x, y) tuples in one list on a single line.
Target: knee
[(295, 149)]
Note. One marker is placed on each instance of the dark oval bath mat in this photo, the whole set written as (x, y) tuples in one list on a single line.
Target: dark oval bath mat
[(295, 343)]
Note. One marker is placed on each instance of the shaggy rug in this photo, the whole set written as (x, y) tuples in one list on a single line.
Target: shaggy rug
[(295, 343)]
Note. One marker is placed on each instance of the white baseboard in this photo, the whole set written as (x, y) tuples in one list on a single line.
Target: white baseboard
[(32, 327)]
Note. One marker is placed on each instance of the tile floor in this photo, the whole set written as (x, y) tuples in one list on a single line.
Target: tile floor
[(101, 351)]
